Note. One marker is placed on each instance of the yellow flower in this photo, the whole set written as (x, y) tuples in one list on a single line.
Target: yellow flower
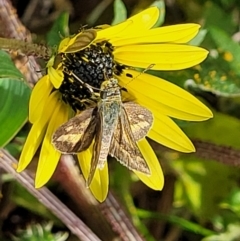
[(85, 58)]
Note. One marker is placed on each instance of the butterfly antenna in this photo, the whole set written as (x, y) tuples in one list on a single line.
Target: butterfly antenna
[(91, 88), (145, 70)]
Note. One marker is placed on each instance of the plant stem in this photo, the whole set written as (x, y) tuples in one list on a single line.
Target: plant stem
[(77, 227), (26, 48)]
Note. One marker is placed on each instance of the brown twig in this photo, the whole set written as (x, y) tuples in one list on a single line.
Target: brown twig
[(73, 183), (119, 220), (224, 154), (164, 206), (209, 151), (77, 227), (14, 29)]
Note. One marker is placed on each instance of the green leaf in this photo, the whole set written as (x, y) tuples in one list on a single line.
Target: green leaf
[(214, 15), (14, 98), (217, 83), (228, 46), (197, 40), (59, 30), (161, 6), (120, 12), (217, 75), (7, 68), (220, 73)]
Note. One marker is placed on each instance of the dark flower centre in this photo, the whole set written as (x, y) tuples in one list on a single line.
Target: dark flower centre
[(84, 71)]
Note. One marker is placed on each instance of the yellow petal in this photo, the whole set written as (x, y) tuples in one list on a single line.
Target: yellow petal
[(55, 76), (110, 32), (166, 132), (181, 33), (37, 132), (100, 182), (145, 19), (139, 22), (32, 143), (162, 96), (160, 56), (49, 156), (38, 98), (156, 179), (63, 45), (99, 186)]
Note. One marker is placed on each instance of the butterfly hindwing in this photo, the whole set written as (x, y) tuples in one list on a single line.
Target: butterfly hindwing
[(140, 119), (96, 149), (123, 145)]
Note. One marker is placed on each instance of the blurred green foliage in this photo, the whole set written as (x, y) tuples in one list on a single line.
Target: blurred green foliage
[(39, 232)]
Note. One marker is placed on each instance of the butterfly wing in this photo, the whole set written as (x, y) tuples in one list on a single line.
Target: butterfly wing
[(96, 149), (139, 118), (77, 134), (134, 124)]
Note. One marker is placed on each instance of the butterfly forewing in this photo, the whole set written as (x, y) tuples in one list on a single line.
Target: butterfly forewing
[(75, 135)]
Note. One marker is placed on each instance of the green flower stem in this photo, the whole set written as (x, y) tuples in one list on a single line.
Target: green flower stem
[(26, 48), (180, 222), (77, 227)]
